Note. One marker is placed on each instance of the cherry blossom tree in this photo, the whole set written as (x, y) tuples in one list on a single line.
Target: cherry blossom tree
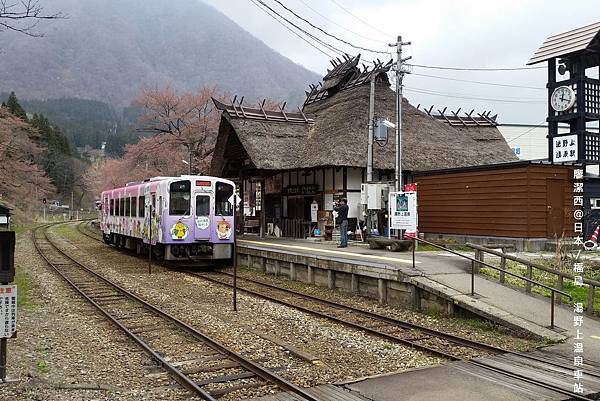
[(23, 182), (187, 119)]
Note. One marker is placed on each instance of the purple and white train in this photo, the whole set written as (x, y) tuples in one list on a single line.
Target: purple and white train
[(186, 218)]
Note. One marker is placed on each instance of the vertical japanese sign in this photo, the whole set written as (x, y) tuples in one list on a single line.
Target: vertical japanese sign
[(565, 148), (403, 211), (8, 310), (258, 203), (578, 270)]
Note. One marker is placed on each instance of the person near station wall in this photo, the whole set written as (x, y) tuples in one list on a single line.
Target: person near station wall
[(342, 209)]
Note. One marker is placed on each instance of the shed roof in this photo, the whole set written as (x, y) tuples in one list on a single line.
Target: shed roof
[(562, 44)]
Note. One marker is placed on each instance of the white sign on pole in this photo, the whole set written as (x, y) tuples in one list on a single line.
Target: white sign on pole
[(8, 310), (314, 212), (234, 199), (564, 148), (403, 211)]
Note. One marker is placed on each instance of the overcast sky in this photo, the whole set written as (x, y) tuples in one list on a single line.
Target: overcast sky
[(454, 33)]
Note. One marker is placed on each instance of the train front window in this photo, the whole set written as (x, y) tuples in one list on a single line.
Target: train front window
[(202, 205), (179, 198), (222, 205)]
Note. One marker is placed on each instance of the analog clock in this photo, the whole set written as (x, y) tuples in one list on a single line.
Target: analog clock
[(562, 98)]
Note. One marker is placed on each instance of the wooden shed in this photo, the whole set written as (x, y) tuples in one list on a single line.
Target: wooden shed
[(516, 200)]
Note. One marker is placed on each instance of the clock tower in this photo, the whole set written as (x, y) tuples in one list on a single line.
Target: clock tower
[(573, 94)]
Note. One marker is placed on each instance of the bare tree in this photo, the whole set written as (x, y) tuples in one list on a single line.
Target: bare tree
[(23, 16)]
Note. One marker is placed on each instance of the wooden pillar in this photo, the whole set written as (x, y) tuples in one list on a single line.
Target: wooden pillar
[(263, 217)]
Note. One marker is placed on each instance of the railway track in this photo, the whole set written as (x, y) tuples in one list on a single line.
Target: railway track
[(199, 363), (511, 364), (423, 338)]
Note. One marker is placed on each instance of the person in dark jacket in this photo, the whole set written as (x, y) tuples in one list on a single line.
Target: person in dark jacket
[(342, 209)]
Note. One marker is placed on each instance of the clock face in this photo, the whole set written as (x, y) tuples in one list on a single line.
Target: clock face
[(562, 98)]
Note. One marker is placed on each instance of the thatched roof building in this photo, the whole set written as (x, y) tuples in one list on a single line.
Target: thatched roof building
[(331, 130), (287, 162)]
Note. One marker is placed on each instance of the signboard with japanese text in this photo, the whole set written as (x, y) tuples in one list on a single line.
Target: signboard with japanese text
[(258, 199), (403, 211), (564, 148), (8, 310)]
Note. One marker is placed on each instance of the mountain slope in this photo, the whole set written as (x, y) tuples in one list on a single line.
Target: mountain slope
[(109, 50)]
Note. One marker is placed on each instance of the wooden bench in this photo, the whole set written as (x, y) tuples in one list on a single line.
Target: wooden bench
[(396, 245)]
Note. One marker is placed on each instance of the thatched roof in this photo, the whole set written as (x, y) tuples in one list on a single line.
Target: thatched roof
[(338, 137)]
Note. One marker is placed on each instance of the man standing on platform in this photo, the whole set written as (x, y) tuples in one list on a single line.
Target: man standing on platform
[(342, 209)]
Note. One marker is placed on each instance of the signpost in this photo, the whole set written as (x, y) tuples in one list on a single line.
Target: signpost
[(402, 211), (8, 296), (235, 200)]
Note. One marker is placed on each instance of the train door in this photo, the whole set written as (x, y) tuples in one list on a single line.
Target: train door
[(202, 218)]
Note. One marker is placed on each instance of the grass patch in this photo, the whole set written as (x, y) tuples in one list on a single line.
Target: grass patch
[(42, 366), (67, 231), (23, 282), (579, 294)]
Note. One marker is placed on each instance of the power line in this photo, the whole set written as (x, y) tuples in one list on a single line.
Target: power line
[(527, 132), (479, 82), (313, 37), (460, 96), (327, 33), (476, 68), (291, 30), (338, 25), (360, 19)]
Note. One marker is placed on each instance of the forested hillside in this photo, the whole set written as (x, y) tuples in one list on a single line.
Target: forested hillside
[(109, 50)]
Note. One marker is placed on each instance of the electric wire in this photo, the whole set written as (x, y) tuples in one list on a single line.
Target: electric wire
[(478, 82), (476, 68), (461, 96), (327, 33), (360, 19), (291, 30), (527, 132), (339, 25), (316, 39)]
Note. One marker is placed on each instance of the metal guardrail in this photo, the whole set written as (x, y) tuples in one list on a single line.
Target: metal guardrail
[(480, 262), (530, 265)]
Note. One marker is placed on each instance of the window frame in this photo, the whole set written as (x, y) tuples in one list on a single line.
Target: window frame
[(175, 212)]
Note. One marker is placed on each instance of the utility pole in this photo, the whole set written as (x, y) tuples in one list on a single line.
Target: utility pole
[(399, 76), (371, 123), (190, 161)]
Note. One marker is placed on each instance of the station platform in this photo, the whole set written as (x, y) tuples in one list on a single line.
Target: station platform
[(454, 381), (449, 275)]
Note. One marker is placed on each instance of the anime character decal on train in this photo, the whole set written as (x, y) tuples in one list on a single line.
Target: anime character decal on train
[(185, 218)]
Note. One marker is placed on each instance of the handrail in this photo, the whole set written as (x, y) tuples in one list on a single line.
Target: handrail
[(496, 268), (480, 262), (531, 263)]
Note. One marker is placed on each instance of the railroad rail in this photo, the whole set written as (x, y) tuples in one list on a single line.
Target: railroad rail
[(423, 338), (199, 363), (419, 337)]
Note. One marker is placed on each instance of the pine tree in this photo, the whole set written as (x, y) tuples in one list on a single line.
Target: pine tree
[(15, 108)]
